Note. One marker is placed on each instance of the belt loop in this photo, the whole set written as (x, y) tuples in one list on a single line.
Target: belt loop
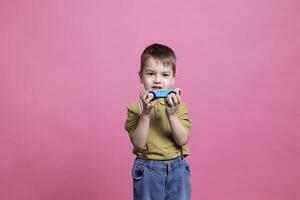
[(144, 153), (181, 157), (181, 151), (181, 161)]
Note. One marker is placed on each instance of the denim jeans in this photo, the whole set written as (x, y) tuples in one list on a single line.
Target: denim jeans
[(157, 180)]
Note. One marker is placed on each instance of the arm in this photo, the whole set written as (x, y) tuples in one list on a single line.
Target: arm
[(140, 134), (179, 132)]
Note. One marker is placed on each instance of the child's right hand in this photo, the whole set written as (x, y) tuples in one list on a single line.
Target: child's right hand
[(148, 105)]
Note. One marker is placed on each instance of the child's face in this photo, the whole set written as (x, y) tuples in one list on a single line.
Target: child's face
[(157, 76)]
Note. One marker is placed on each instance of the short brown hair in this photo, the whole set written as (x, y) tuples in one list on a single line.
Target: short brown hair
[(161, 53)]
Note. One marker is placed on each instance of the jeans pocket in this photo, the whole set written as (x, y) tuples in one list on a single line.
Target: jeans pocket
[(138, 171)]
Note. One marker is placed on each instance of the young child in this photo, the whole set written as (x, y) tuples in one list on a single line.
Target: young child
[(159, 132)]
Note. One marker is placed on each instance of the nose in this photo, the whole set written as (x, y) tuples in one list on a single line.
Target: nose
[(157, 79)]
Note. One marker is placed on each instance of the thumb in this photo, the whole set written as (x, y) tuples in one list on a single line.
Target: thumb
[(154, 102)]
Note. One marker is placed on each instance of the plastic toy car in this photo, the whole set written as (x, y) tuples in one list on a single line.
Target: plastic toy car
[(162, 93)]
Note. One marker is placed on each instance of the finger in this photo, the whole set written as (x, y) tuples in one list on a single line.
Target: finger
[(143, 95), (170, 101), (144, 98), (153, 103), (175, 100), (172, 95), (149, 98), (179, 98)]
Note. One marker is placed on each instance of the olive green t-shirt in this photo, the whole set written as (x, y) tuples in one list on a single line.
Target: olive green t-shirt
[(160, 144)]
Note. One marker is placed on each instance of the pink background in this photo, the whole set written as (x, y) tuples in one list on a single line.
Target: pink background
[(68, 68)]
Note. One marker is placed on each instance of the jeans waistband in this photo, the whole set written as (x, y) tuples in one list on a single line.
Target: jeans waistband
[(161, 165)]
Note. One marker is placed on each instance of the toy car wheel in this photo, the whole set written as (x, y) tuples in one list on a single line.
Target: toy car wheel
[(172, 92), (154, 95)]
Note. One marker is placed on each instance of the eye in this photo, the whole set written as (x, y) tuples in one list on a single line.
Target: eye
[(166, 75), (150, 74)]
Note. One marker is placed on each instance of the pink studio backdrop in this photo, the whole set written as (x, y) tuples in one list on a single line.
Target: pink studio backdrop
[(69, 68)]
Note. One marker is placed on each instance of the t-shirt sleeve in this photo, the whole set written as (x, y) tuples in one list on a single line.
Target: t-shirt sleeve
[(132, 118), (183, 116)]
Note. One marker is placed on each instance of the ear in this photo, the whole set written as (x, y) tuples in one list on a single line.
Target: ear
[(141, 76)]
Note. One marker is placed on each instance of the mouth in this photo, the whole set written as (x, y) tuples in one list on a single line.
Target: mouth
[(156, 87)]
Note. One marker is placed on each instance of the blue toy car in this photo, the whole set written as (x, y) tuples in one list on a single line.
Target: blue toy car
[(162, 93)]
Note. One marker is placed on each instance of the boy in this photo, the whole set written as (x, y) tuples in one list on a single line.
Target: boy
[(159, 132)]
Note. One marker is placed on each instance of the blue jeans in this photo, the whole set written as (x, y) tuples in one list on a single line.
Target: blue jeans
[(157, 180)]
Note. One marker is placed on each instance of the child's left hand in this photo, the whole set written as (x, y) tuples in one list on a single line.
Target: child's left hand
[(173, 101)]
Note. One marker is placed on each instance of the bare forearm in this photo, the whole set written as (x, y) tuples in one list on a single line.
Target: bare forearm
[(140, 134), (179, 132)]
